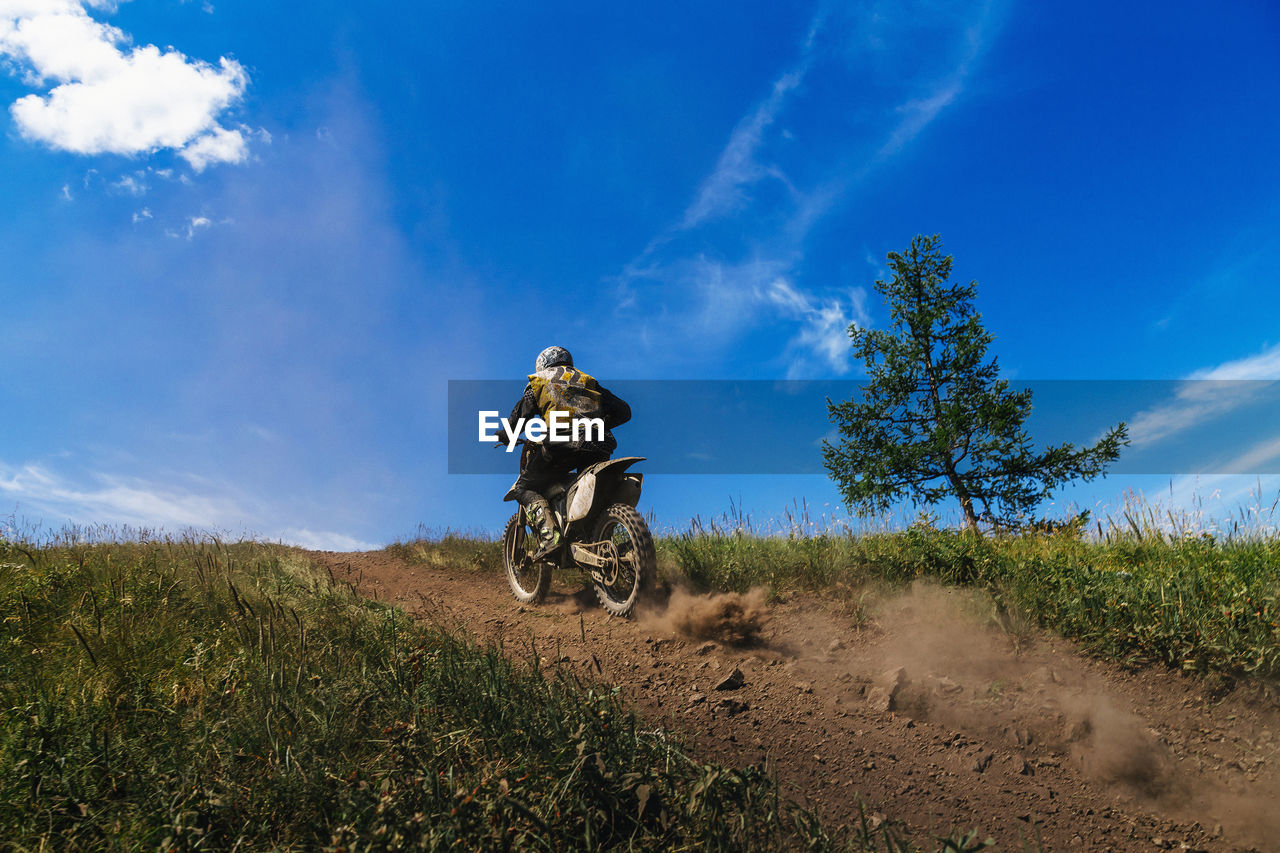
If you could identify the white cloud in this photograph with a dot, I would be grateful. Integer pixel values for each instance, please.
(217, 146)
(138, 503)
(824, 329)
(1209, 393)
(323, 540)
(726, 295)
(134, 185)
(1256, 458)
(917, 113)
(194, 224)
(109, 97)
(142, 215)
(722, 191)
(1264, 365)
(114, 500)
(722, 302)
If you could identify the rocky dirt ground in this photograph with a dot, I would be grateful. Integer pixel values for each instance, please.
(926, 707)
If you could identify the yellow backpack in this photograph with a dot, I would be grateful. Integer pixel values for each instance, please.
(568, 390)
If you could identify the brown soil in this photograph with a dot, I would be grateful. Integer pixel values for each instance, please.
(935, 712)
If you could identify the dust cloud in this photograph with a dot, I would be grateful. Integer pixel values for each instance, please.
(727, 617)
(952, 657)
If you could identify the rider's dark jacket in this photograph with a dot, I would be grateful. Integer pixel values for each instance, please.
(607, 406)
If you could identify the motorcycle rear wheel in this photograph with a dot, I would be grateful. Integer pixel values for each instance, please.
(636, 561)
(529, 581)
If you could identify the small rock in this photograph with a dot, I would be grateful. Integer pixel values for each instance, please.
(948, 687)
(804, 687)
(1026, 769)
(707, 648)
(875, 820)
(697, 699)
(835, 645)
(1076, 729)
(884, 694)
(731, 707)
(732, 681)
(879, 700)
(981, 763)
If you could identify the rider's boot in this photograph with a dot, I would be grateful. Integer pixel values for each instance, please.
(544, 524)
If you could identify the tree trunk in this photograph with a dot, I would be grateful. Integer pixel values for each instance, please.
(966, 502)
(949, 463)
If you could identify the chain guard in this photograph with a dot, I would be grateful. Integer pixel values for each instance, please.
(606, 552)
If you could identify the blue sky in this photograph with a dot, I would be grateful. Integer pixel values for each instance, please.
(247, 245)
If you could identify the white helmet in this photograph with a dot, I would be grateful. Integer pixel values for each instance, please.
(551, 357)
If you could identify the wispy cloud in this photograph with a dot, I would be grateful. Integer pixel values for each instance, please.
(110, 97)
(323, 540)
(134, 185)
(1264, 365)
(1209, 393)
(115, 500)
(824, 330)
(737, 279)
(194, 225)
(919, 112)
(1262, 456)
(724, 190)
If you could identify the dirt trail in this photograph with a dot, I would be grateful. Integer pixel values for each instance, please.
(931, 716)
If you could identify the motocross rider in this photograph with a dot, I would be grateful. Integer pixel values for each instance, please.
(556, 384)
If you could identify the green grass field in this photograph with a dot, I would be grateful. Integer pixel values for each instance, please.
(192, 695)
(1203, 599)
(163, 693)
(1198, 602)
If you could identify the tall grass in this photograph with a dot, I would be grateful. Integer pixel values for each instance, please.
(190, 694)
(439, 548)
(1147, 586)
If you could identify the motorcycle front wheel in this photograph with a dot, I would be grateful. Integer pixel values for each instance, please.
(633, 563)
(529, 580)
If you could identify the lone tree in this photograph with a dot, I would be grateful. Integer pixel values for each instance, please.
(935, 419)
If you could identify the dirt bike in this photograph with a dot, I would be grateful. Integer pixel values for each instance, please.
(603, 536)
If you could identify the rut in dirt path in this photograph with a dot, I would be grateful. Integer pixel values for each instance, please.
(928, 715)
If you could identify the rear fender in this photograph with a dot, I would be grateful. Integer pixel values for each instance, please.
(602, 482)
(627, 490)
